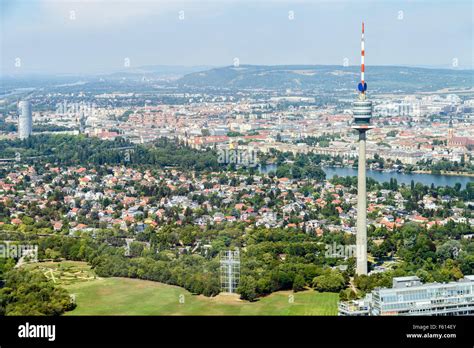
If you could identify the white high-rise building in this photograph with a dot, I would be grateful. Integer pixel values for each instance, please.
(25, 120)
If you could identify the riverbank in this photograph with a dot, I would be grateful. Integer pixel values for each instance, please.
(471, 175)
(424, 177)
(403, 178)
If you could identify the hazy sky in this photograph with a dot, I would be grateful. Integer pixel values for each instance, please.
(88, 36)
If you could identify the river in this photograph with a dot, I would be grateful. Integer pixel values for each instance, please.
(402, 178)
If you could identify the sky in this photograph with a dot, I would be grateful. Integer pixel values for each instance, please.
(100, 36)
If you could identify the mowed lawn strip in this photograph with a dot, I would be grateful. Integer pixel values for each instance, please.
(124, 296)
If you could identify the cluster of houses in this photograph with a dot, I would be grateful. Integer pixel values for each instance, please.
(85, 199)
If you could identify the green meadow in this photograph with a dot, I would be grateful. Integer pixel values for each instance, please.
(124, 296)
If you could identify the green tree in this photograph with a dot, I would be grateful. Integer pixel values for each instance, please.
(330, 281)
(247, 288)
(298, 283)
(30, 293)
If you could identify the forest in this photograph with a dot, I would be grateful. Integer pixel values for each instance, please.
(25, 292)
(82, 150)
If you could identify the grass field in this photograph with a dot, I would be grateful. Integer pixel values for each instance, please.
(124, 296)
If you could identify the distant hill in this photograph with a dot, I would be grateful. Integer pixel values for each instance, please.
(329, 77)
(335, 80)
(151, 72)
(158, 71)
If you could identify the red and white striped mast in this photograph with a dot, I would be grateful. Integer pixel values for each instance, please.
(362, 59)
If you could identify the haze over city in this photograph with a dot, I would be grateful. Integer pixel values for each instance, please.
(77, 37)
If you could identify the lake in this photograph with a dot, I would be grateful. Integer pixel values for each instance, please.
(402, 178)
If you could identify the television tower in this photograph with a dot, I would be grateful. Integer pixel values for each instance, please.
(362, 111)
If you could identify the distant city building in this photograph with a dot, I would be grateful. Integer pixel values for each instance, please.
(25, 120)
(220, 131)
(454, 141)
(408, 296)
(82, 123)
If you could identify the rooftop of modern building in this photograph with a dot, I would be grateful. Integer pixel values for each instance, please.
(414, 283)
(404, 279)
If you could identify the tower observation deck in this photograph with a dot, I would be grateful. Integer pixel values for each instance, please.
(362, 111)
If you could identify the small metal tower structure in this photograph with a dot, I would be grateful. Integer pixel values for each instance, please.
(230, 270)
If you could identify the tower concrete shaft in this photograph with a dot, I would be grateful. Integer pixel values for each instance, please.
(361, 236)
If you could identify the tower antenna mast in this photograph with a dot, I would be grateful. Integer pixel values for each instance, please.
(362, 60)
